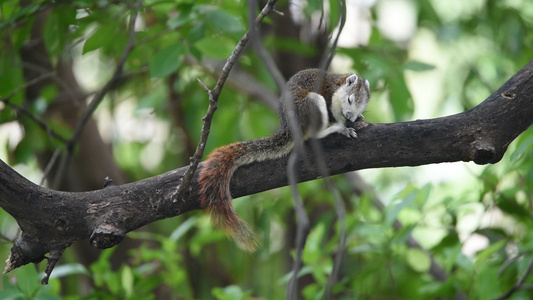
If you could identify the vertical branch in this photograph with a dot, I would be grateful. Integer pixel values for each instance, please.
(340, 210)
(213, 103)
(327, 59)
(302, 220)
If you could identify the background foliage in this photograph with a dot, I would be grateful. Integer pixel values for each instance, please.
(474, 222)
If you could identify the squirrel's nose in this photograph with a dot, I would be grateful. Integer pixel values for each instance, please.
(350, 116)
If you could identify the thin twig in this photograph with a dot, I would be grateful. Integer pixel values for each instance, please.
(340, 212)
(50, 164)
(519, 283)
(342, 21)
(213, 100)
(509, 261)
(25, 111)
(340, 209)
(302, 220)
(265, 57)
(241, 81)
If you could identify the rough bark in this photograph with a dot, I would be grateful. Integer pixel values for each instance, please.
(51, 220)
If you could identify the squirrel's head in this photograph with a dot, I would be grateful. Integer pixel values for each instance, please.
(351, 99)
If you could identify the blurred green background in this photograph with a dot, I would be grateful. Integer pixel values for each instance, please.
(424, 59)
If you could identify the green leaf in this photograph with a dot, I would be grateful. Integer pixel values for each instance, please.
(11, 294)
(103, 36)
(183, 17)
(28, 280)
(483, 255)
(314, 245)
(25, 11)
(220, 20)
(47, 297)
(10, 77)
(33, 141)
(400, 98)
(231, 292)
(101, 267)
(419, 66)
(127, 281)
(9, 290)
(182, 229)
(488, 283)
(409, 197)
(196, 33)
(334, 12)
(216, 47)
(68, 269)
(167, 61)
(418, 260)
(57, 28)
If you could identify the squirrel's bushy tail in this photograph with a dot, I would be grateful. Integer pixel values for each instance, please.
(215, 176)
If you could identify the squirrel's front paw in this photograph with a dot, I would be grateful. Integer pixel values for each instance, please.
(350, 132)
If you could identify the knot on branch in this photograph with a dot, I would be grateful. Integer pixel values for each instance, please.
(25, 250)
(484, 155)
(106, 235)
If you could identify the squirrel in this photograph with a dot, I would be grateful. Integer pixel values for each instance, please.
(342, 97)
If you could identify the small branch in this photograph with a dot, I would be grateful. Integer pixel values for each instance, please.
(257, 42)
(213, 102)
(519, 283)
(340, 209)
(342, 21)
(53, 258)
(302, 220)
(241, 81)
(28, 113)
(50, 164)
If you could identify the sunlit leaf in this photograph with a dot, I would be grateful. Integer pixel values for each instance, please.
(127, 281)
(419, 66)
(418, 260)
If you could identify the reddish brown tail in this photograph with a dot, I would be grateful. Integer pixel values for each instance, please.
(215, 176)
(214, 195)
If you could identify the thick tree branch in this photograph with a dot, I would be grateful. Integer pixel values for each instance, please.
(52, 220)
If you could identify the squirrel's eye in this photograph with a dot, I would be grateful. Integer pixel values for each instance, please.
(350, 99)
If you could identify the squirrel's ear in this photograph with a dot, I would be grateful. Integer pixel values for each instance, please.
(367, 84)
(351, 79)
